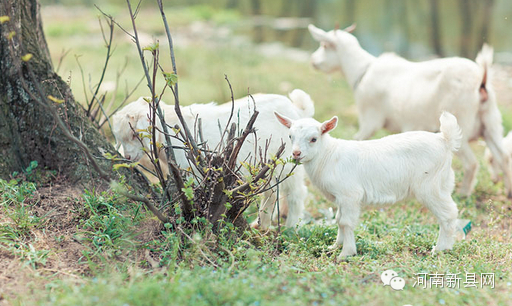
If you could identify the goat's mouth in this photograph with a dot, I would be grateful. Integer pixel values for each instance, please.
(298, 159)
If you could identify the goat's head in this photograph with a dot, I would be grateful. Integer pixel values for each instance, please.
(326, 58)
(129, 129)
(306, 135)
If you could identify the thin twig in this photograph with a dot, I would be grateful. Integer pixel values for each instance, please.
(113, 20)
(148, 204)
(107, 58)
(61, 58)
(248, 129)
(127, 96)
(259, 176)
(198, 247)
(196, 152)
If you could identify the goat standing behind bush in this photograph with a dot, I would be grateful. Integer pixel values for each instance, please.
(133, 119)
(399, 95)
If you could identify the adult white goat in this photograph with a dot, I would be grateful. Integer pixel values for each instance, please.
(354, 173)
(215, 116)
(393, 93)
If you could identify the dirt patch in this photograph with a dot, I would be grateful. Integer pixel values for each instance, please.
(55, 204)
(58, 239)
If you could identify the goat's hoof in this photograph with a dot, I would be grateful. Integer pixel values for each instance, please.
(438, 249)
(255, 224)
(259, 226)
(344, 256)
(333, 247)
(463, 192)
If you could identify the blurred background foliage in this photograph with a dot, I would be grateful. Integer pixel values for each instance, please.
(409, 27)
(264, 45)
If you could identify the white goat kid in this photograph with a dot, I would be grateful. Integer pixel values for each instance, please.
(354, 174)
(393, 93)
(298, 106)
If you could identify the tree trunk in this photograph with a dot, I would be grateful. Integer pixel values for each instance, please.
(486, 24)
(406, 29)
(350, 12)
(28, 132)
(465, 35)
(307, 9)
(435, 34)
(258, 29)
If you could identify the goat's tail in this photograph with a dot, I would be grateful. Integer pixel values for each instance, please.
(484, 59)
(303, 102)
(451, 131)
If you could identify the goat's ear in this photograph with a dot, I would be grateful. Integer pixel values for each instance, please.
(350, 28)
(283, 120)
(131, 118)
(319, 34)
(329, 125)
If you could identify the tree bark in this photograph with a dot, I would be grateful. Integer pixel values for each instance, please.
(486, 24)
(28, 132)
(465, 35)
(307, 9)
(350, 12)
(435, 34)
(258, 29)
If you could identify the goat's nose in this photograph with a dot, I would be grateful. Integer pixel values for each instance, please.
(296, 154)
(128, 156)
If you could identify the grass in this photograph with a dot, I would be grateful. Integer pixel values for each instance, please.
(122, 257)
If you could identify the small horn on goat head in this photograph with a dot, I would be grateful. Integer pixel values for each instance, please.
(350, 28)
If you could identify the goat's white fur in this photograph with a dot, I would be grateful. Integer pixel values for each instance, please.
(214, 118)
(393, 93)
(354, 174)
(494, 167)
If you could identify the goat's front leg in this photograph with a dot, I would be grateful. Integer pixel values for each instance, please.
(339, 237)
(350, 211)
(369, 123)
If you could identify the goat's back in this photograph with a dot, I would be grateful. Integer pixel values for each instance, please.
(385, 170)
(412, 95)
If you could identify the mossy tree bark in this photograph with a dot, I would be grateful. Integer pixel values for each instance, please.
(28, 131)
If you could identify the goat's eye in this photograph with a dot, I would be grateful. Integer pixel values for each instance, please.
(290, 136)
(328, 45)
(313, 139)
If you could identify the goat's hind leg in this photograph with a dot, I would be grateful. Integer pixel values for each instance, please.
(500, 159)
(296, 193)
(445, 210)
(265, 211)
